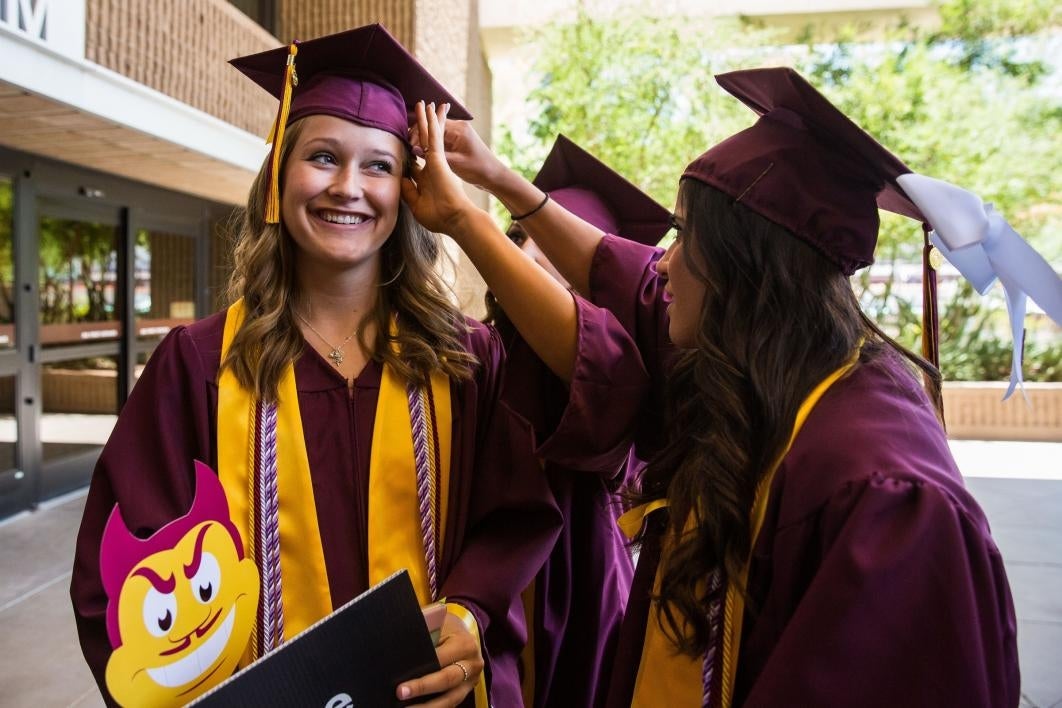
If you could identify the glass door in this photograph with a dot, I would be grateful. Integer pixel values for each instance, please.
(94, 272)
(80, 292)
(13, 487)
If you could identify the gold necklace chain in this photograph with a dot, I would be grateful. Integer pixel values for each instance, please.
(336, 353)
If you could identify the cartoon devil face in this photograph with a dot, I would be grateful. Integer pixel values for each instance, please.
(181, 604)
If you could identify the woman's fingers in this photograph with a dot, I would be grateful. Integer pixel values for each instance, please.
(446, 687)
(459, 644)
(410, 193)
(461, 662)
(438, 131)
(431, 122)
(435, 117)
(422, 126)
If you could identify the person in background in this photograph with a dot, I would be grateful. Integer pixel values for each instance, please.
(343, 359)
(575, 606)
(806, 538)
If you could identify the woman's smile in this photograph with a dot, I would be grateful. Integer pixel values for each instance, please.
(342, 218)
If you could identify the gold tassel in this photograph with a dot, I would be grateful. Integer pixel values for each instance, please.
(930, 318)
(931, 262)
(276, 137)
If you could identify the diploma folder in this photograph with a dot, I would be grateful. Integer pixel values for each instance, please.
(353, 658)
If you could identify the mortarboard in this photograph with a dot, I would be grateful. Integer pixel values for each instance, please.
(363, 75)
(806, 166)
(597, 194)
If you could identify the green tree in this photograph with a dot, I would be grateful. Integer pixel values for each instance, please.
(635, 90)
(972, 101)
(77, 262)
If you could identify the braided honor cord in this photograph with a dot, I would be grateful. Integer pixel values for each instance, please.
(424, 458)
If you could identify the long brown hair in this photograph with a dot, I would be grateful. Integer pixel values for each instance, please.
(410, 290)
(778, 318)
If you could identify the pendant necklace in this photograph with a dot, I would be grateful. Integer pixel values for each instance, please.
(336, 353)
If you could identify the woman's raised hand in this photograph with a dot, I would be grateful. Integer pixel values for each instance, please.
(469, 156)
(434, 193)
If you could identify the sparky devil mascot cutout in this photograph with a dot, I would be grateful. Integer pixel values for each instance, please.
(180, 604)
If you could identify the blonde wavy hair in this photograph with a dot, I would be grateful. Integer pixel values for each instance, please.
(429, 325)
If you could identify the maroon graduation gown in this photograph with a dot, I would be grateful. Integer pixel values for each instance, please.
(874, 580)
(503, 520)
(581, 591)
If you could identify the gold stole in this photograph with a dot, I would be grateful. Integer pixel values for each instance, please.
(305, 594)
(395, 537)
(667, 677)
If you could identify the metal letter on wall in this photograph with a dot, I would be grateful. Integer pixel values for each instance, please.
(58, 24)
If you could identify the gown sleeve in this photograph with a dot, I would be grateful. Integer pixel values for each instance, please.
(588, 425)
(147, 467)
(908, 606)
(624, 281)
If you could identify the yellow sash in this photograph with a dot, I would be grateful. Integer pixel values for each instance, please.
(667, 677)
(395, 537)
(304, 590)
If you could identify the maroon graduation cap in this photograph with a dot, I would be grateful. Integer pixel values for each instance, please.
(597, 194)
(363, 75)
(806, 166)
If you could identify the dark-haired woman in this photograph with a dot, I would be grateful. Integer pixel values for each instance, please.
(806, 538)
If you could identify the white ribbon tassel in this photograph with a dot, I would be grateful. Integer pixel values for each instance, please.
(982, 246)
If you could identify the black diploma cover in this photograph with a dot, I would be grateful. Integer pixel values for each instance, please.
(353, 658)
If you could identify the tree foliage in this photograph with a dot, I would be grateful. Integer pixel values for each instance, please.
(973, 101)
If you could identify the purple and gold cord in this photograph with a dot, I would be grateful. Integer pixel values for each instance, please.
(269, 511)
(424, 459)
(714, 613)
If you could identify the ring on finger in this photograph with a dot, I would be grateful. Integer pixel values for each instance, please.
(464, 670)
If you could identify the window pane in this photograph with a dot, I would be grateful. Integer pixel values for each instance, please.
(80, 399)
(8, 429)
(164, 296)
(78, 281)
(7, 266)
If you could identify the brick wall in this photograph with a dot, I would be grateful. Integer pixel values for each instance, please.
(172, 273)
(180, 48)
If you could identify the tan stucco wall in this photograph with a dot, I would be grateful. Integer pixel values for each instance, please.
(447, 42)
